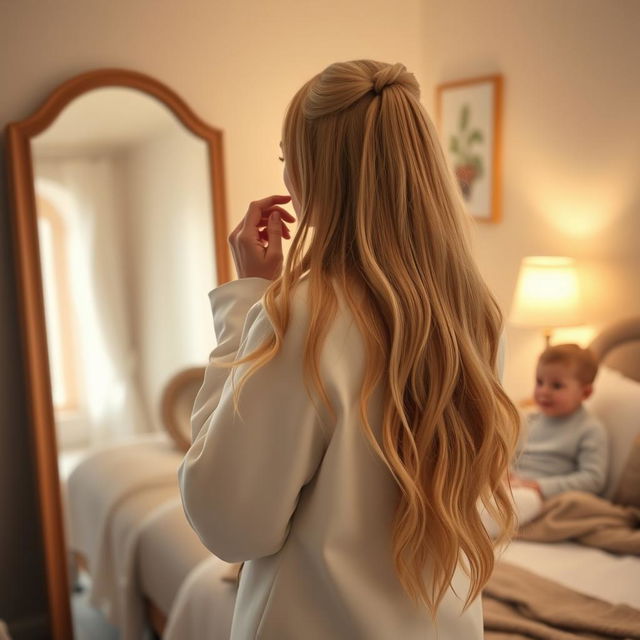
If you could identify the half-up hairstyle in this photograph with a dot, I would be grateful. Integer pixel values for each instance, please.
(381, 222)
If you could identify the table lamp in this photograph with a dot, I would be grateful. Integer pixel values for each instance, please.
(547, 295)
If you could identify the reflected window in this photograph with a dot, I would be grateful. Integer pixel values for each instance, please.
(53, 234)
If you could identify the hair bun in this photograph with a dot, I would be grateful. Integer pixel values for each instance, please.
(394, 74)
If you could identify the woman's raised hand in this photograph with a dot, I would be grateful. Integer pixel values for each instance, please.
(256, 243)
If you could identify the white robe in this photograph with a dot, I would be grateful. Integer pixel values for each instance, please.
(298, 495)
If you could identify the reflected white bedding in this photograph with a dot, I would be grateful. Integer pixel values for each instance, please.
(105, 477)
(118, 592)
(596, 573)
(168, 549)
(110, 496)
(126, 518)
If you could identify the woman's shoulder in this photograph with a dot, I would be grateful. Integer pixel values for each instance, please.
(311, 312)
(303, 302)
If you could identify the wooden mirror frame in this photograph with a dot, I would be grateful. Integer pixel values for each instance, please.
(31, 300)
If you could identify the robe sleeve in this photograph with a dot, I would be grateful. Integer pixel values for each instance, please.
(241, 478)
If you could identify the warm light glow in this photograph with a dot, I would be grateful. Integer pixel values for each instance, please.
(582, 336)
(577, 210)
(547, 293)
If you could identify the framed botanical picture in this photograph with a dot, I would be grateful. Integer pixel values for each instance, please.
(468, 114)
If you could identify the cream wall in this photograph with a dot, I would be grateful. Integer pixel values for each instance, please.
(571, 154)
(236, 63)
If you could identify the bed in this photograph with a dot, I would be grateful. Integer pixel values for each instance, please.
(569, 552)
(127, 527)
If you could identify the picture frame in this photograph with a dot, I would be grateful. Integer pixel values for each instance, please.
(469, 120)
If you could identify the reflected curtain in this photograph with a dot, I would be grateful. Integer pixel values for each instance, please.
(86, 192)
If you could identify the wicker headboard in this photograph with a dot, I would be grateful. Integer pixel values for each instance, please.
(618, 346)
(177, 402)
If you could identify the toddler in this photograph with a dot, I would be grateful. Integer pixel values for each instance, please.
(566, 448)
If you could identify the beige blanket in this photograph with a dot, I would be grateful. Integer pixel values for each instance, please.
(587, 519)
(519, 605)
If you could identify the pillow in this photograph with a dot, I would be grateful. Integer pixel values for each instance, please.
(628, 489)
(178, 398)
(616, 401)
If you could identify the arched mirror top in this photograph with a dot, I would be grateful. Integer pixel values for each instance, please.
(100, 78)
(21, 134)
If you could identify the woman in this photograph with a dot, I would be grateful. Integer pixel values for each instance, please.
(344, 455)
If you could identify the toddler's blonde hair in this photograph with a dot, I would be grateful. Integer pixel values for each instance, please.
(582, 361)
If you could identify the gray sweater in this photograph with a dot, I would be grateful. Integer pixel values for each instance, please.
(568, 453)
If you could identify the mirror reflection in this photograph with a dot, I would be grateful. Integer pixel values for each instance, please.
(126, 242)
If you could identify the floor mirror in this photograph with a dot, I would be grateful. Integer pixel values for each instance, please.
(119, 227)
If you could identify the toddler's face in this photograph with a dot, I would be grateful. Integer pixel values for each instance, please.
(558, 392)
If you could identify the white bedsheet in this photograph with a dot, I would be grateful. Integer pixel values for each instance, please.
(615, 579)
(168, 550)
(111, 495)
(121, 595)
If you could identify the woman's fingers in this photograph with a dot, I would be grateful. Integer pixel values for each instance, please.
(258, 208)
(284, 230)
(262, 223)
(274, 235)
(256, 243)
(267, 214)
(284, 214)
(264, 235)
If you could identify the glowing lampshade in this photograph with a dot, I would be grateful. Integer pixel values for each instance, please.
(547, 294)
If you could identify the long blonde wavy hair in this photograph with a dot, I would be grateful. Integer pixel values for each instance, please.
(381, 222)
